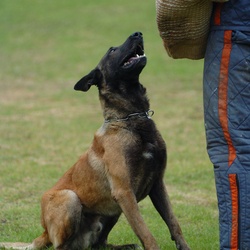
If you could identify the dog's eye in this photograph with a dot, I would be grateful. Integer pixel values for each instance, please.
(112, 49)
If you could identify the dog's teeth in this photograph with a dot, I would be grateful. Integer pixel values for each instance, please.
(136, 56)
(140, 55)
(126, 63)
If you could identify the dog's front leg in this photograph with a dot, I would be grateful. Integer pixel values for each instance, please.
(127, 201)
(160, 199)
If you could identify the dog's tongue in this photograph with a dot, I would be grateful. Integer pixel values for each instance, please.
(133, 58)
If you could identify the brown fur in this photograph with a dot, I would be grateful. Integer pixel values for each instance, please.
(124, 164)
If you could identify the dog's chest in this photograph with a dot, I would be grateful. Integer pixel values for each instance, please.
(144, 151)
(149, 152)
(138, 150)
(146, 163)
(147, 149)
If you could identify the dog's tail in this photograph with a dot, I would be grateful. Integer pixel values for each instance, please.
(40, 242)
(16, 246)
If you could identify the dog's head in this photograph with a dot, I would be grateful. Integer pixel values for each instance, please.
(123, 63)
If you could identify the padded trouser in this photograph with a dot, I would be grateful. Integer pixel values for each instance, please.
(227, 122)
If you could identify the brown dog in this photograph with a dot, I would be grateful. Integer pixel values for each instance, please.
(124, 164)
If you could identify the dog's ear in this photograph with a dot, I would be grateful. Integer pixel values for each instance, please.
(93, 78)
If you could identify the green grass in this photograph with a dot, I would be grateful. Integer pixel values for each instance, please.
(46, 46)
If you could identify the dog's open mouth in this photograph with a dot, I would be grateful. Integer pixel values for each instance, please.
(136, 55)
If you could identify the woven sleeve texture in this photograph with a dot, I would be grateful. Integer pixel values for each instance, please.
(183, 26)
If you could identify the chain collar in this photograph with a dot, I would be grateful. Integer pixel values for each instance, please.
(147, 114)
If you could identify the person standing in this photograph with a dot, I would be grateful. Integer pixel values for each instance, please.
(225, 46)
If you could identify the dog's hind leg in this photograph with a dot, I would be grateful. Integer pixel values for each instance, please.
(107, 223)
(160, 199)
(61, 219)
(41, 242)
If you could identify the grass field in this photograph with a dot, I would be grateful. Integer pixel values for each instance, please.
(45, 48)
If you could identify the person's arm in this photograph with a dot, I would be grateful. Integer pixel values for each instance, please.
(183, 36)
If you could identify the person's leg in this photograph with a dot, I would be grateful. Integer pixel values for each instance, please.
(217, 147)
(227, 123)
(239, 128)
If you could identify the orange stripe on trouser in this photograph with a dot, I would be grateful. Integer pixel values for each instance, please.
(235, 211)
(223, 88)
(223, 117)
(217, 13)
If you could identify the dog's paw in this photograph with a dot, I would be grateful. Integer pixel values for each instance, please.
(182, 247)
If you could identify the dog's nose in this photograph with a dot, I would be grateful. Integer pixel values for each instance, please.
(137, 34)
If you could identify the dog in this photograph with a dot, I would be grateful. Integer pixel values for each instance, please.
(124, 164)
